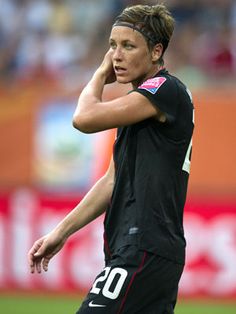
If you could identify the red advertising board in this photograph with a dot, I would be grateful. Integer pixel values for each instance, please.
(25, 215)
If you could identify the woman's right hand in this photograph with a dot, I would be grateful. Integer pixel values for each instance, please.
(107, 69)
(43, 250)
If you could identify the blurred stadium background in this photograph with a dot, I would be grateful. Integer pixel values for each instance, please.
(48, 51)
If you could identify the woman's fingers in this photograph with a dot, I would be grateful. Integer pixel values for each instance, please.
(42, 251)
(45, 262)
(38, 265)
(35, 256)
(31, 262)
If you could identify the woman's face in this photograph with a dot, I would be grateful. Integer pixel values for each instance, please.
(132, 60)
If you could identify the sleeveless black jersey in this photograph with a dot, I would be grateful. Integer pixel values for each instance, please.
(152, 162)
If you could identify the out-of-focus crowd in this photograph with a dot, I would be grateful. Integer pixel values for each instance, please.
(66, 40)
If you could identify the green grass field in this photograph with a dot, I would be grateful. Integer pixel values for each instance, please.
(43, 304)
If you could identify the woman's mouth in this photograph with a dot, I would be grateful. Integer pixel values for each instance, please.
(119, 70)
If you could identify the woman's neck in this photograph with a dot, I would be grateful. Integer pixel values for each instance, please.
(149, 75)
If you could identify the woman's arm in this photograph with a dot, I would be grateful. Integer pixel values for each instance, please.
(92, 206)
(93, 115)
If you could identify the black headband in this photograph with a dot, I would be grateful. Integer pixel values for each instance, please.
(152, 39)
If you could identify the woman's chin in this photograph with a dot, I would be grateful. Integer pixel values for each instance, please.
(122, 80)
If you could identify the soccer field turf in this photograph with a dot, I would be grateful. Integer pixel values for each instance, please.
(35, 304)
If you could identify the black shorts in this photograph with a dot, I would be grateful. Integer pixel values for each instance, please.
(134, 282)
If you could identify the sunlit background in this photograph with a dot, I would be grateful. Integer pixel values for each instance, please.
(48, 51)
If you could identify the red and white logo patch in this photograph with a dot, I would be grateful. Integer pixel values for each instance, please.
(152, 85)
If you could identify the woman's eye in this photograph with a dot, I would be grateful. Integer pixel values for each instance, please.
(129, 46)
(112, 45)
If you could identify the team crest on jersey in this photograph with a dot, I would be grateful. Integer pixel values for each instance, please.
(152, 85)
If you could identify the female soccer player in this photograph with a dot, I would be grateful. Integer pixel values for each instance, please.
(144, 189)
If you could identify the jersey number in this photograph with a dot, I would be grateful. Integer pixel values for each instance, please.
(187, 159)
(109, 276)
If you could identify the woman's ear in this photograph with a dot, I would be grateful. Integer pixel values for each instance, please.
(157, 52)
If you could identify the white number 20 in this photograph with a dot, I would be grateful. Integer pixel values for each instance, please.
(187, 162)
(109, 277)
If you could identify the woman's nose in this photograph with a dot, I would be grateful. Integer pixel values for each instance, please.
(117, 54)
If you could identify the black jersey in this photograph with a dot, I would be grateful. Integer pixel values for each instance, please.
(151, 174)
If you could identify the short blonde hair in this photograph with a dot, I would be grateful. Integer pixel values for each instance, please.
(155, 22)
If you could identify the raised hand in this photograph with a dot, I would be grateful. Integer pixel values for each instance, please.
(107, 67)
